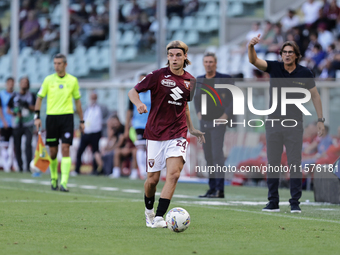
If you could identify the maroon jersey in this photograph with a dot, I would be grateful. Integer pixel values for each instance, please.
(169, 96)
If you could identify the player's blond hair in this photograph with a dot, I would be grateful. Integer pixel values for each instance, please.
(178, 45)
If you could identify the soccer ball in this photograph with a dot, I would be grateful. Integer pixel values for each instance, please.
(33, 168)
(178, 219)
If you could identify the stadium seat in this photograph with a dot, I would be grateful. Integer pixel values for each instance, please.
(212, 24)
(236, 62)
(104, 55)
(179, 35)
(211, 9)
(83, 69)
(56, 15)
(192, 38)
(120, 54)
(130, 53)
(201, 24)
(75, 7)
(175, 23)
(26, 51)
(128, 38)
(5, 66)
(93, 57)
(188, 23)
(235, 9)
(100, 9)
(71, 64)
(44, 64)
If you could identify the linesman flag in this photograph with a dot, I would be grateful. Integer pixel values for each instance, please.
(41, 158)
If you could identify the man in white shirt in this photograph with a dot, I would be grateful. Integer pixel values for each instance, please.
(94, 116)
(310, 10)
(325, 37)
(289, 21)
(255, 30)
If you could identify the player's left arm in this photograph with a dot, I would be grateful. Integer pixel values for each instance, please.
(192, 130)
(80, 114)
(318, 108)
(76, 95)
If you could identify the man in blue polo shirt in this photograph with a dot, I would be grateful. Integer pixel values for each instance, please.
(214, 136)
(5, 124)
(291, 75)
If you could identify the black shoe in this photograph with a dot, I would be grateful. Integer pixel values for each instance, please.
(295, 208)
(54, 185)
(217, 194)
(63, 189)
(209, 192)
(271, 207)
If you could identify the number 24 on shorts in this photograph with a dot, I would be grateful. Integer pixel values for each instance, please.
(182, 144)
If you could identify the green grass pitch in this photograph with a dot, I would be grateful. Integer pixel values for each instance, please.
(104, 216)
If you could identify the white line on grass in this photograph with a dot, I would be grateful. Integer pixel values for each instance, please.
(109, 188)
(88, 187)
(131, 191)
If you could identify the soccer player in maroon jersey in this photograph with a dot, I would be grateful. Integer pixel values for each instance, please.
(167, 126)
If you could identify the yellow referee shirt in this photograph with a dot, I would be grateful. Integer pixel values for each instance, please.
(59, 92)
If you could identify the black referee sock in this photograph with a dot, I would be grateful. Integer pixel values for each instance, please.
(149, 202)
(163, 206)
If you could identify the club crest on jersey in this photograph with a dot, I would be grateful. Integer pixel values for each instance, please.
(168, 83)
(151, 162)
(187, 84)
(61, 86)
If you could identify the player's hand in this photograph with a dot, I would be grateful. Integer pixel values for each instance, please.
(321, 129)
(199, 135)
(37, 123)
(5, 125)
(142, 108)
(255, 40)
(81, 127)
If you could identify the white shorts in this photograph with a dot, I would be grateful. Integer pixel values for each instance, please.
(158, 151)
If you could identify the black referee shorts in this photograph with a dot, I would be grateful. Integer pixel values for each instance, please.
(59, 127)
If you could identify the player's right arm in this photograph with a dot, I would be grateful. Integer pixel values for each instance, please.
(41, 94)
(134, 97)
(253, 59)
(37, 120)
(128, 118)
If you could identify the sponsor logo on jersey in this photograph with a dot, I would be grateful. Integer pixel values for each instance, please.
(168, 83)
(176, 93)
(151, 162)
(187, 84)
(61, 86)
(167, 76)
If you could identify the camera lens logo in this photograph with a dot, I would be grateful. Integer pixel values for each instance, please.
(204, 98)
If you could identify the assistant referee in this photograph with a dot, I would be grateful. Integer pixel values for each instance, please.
(59, 88)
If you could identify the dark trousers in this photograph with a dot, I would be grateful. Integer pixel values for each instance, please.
(88, 139)
(213, 152)
(291, 138)
(17, 135)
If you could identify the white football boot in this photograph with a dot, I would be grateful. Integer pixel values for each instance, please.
(159, 222)
(149, 217)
